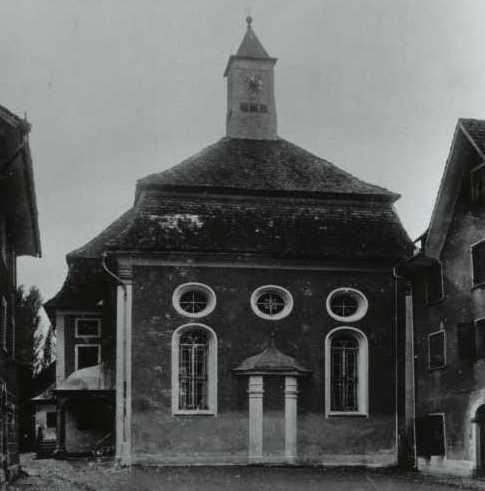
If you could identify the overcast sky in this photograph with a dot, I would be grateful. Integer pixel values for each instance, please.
(116, 90)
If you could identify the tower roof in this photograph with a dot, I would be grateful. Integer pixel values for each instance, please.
(262, 166)
(250, 48)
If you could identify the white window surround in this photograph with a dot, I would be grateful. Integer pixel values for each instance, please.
(76, 323)
(278, 290)
(363, 372)
(440, 331)
(362, 304)
(77, 346)
(3, 321)
(184, 288)
(211, 371)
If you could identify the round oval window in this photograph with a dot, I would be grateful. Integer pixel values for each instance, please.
(194, 300)
(271, 302)
(347, 304)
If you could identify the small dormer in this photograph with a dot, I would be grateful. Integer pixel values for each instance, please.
(251, 108)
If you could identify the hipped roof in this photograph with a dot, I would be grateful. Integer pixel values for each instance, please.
(271, 361)
(233, 164)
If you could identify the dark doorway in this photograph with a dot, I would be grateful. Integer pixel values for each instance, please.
(480, 421)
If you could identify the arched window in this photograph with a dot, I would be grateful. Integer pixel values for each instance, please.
(194, 370)
(346, 372)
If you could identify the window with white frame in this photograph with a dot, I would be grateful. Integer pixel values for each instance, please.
(87, 355)
(347, 304)
(346, 372)
(437, 349)
(3, 322)
(194, 300)
(194, 370)
(88, 327)
(271, 302)
(478, 262)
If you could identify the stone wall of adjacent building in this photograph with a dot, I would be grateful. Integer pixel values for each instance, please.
(456, 390)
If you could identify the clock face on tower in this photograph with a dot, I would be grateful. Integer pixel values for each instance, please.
(254, 83)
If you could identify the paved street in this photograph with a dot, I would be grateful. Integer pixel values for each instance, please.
(52, 475)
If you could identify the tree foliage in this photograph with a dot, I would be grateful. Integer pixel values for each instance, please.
(29, 339)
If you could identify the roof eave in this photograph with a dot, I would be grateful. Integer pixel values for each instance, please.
(269, 60)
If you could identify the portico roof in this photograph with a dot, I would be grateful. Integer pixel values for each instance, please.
(271, 361)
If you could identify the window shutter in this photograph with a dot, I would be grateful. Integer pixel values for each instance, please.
(480, 338)
(466, 341)
(478, 259)
(436, 347)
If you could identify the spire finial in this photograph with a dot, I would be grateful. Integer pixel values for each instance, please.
(249, 19)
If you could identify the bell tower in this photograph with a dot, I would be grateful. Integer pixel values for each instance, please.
(251, 108)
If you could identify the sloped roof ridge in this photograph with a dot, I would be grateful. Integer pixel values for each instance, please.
(474, 129)
(214, 164)
(13, 119)
(99, 242)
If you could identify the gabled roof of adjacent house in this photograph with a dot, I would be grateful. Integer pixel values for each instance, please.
(262, 166)
(476, 130)
(17, 187)
(468, 144)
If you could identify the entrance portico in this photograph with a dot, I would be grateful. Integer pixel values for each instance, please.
(272, 362)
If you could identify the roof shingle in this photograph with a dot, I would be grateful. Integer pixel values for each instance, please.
(267, 165)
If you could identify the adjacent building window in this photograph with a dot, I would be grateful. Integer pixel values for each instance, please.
(347, 304)
(478, 260)
(271, 302)
(3, 323)
(433, 283)
(480, 338)
(477, 176)
(346, 372)
(194, 300)
(466, 341)
(194, 370)
(88, 328)
(430, 435)
(437, 349)
(87, 355)
(3, 239)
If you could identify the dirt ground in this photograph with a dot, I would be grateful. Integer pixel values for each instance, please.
(82, 475)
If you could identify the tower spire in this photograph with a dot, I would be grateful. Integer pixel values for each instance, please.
(251, 108)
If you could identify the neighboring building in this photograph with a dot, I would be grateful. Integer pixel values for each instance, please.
(19, 236)
(44, 405)
(449, 307)
(250, 280)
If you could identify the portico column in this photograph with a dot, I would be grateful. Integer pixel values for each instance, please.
(291, 400)
(61, 427)
(255, 394)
